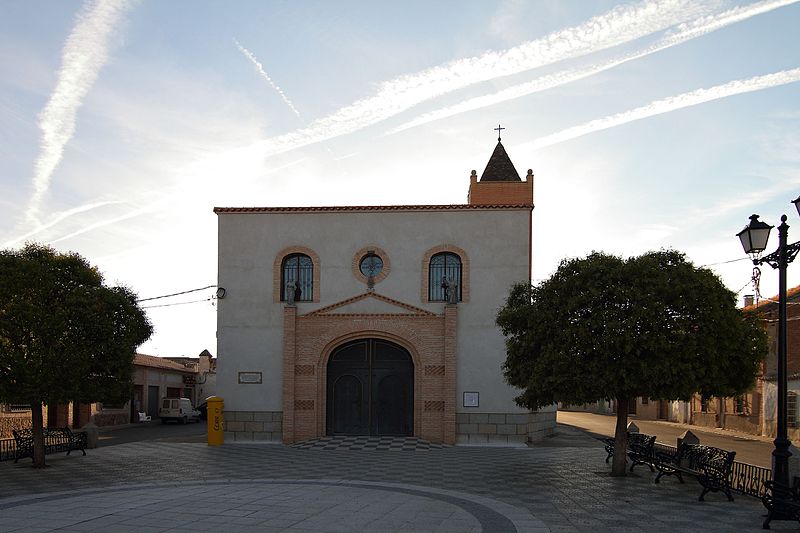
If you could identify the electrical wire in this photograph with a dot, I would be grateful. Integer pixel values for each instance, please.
(725, 262)
(743, 286)
(175, 293)
(177, 303)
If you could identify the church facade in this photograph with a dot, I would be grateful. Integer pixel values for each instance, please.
(375, 320)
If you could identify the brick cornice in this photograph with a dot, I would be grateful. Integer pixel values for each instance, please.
(415, 311)
(337, 209)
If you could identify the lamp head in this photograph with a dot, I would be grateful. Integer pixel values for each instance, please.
(754, 236)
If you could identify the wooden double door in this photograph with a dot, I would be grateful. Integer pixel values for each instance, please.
(370, 389)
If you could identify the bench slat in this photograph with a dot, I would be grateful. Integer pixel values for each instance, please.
(711, 466)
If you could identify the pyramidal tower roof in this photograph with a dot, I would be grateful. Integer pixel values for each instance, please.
(500, 167)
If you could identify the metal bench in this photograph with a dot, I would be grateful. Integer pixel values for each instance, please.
(55, 440)
(711, 466)
(782, 502)
(640, 449)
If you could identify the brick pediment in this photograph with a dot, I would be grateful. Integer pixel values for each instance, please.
(370, 303)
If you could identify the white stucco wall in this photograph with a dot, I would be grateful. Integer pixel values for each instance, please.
(250, 324)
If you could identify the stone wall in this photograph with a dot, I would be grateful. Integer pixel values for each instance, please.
(111, 419)
(503, 428)
(743, 423)
(709, 420)
(249, 426)
(13, 421)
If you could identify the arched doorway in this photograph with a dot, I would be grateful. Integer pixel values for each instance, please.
(370, 389)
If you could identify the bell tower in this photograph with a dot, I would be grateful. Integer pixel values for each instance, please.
(500, 183)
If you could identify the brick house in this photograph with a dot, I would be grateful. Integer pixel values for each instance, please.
(375, 320)
(756, 411)
(768, 386)
(155, 378)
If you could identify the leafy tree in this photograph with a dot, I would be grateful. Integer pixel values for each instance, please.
(64, 335)
(604, 327)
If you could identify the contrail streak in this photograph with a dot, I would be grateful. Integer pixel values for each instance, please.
(620, 25)
(84, 54)
(666, 105)
(165, 196)
(260, 68)
(685, 32)
(135, 213)
(59, 217)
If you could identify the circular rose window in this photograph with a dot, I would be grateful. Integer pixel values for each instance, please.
(371, 265)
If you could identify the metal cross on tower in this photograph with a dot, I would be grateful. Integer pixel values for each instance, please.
(498, 129)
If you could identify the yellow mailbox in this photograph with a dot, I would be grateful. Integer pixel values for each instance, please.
(216, 435)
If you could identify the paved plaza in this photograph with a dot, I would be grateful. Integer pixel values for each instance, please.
(561, 485)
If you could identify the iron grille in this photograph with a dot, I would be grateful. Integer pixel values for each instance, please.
(443, 266)
(298, 268)
(8, 449)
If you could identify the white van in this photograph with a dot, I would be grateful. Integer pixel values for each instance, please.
(178, 409)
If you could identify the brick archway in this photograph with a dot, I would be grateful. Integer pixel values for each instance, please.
(309, 341)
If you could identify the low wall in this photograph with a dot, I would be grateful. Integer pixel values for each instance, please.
(111, 419)
(11, 421)
(503, 428)
(743, 424)
(251, 426)
(708, 420)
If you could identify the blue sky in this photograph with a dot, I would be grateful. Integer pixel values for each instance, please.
(648, 125)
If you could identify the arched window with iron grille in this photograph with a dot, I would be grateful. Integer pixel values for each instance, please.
(443, 266)
(298, 268)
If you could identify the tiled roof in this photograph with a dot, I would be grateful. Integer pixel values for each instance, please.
(334, 209)
(768, 303)
(158, 362)
(500, 167)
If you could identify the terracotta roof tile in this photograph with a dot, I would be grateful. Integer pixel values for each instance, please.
(334, 209)
(158, 362)
(767, 303)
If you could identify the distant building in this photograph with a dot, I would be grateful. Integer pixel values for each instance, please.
(768, 383)
(754, 412)
(375, 320)
(153, 378)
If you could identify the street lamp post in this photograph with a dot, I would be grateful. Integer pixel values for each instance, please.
(754, 239)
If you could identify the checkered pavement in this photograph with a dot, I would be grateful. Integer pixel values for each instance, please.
(560, 487)
(406, 444)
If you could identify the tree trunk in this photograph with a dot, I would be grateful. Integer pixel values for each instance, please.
(38, 434)
(620, 438)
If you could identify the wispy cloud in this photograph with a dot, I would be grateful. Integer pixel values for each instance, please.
(84, 54)
(684, 32)
(190, 187)
(260, 68)
(58, 218)
(667, 105)
(130, 214)
(622, 24)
